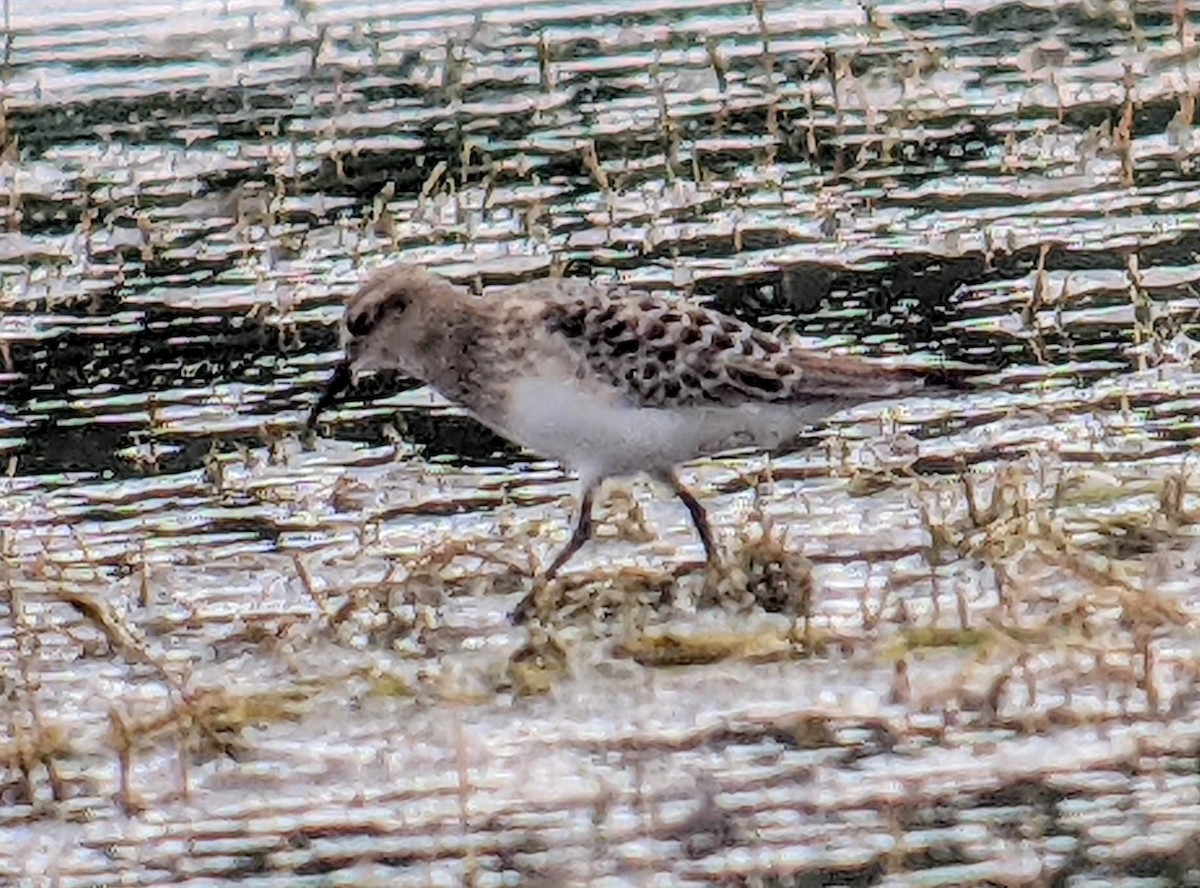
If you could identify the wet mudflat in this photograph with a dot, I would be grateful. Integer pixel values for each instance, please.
(953, 642)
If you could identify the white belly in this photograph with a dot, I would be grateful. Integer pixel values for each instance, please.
(600, 435)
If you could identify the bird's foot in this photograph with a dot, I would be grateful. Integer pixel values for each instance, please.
(535, 603)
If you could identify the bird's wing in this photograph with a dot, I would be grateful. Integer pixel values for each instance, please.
(661, 351)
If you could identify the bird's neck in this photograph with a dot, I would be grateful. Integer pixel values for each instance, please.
(456, 352)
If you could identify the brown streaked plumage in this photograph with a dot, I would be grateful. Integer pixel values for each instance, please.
(665, 352)
(604, 379)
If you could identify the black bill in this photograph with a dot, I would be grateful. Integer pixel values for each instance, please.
(338, 383)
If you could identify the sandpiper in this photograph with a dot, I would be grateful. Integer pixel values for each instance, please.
(606, 380)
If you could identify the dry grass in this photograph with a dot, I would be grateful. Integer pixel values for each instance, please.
(941, 662)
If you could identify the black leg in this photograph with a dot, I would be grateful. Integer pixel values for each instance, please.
(581, 534)
(699, 516)
(529, 605)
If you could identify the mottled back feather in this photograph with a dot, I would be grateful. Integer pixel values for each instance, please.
(664, 351)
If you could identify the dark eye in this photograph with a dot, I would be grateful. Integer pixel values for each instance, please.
(361, 323)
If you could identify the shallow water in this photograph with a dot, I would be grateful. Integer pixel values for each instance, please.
(230, 653)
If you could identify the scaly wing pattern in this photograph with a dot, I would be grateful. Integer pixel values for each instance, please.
(663, 351)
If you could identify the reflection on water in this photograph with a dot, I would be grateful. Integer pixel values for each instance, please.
(293, 655)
